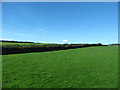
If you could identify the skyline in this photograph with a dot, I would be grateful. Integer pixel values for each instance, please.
(88, 22)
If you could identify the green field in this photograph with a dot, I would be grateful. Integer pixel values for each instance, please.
(12, 43)
(92, 67)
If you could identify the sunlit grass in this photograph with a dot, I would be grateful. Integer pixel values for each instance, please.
(93, 67)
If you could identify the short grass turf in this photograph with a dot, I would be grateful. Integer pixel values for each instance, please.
(25, 44)
(92, 67)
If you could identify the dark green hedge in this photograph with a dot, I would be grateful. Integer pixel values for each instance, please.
(13, 49)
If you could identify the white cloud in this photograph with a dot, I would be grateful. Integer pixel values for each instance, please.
(6, 39)
(21, 34)
(64, 41)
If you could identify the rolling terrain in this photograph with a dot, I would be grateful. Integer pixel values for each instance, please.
(91, 67)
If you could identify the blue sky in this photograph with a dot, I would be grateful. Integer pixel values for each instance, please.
(53, 22)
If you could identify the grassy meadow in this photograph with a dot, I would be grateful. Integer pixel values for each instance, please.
(59, 44)
(90, 67)
(12, 43)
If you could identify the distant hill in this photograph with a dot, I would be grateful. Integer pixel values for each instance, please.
(114, 44)
(15, 41)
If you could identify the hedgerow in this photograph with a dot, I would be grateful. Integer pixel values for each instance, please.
(13, 49)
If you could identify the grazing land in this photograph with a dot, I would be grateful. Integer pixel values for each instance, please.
(12, 43)
(91, 67)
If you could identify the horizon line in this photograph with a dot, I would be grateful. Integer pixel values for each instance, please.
(57, 42)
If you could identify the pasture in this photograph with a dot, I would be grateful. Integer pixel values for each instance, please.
(12, 43)
(91, 67)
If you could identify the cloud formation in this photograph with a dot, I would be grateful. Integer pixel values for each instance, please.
(21, 34)
(64, 41)
(6, 39)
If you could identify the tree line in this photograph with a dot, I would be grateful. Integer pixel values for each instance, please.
(14, 49)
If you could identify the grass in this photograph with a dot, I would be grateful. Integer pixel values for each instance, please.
(92, 67)
(12, 43)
